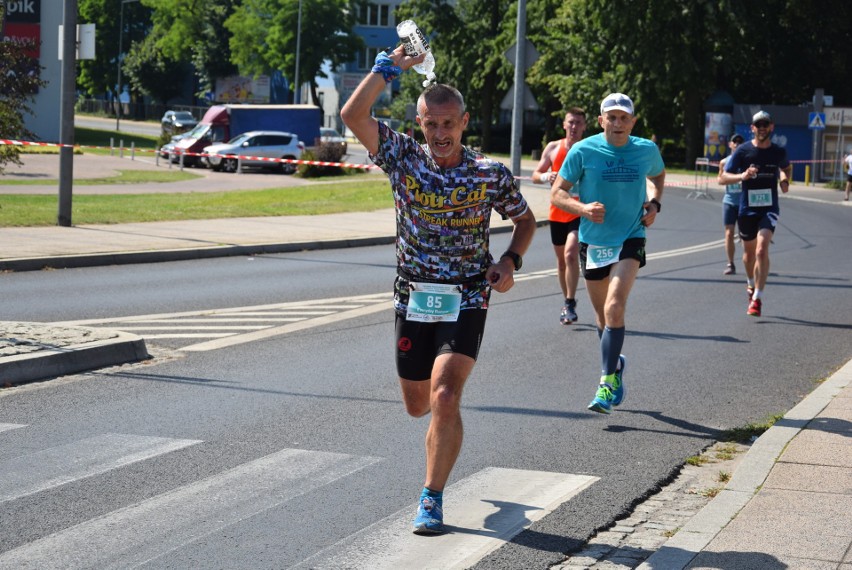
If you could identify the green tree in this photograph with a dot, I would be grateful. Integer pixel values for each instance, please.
(468, 40)
(19, 81)
(192, 31)
(264, 34)
(96, 76)
(151, 72)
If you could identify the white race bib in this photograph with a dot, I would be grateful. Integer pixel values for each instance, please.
(759, 197)
(433, 302)
(601, 255)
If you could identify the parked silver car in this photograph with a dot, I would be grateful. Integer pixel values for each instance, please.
(258, 144)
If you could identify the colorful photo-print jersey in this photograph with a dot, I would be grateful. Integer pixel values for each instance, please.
(443, 215)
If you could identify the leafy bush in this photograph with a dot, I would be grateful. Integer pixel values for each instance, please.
(324, 153)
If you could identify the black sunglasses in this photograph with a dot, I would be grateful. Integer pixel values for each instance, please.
(761, 124)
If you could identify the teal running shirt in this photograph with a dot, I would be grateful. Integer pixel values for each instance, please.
(616, 177)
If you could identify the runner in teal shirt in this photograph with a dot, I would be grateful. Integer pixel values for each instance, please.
(608, 175)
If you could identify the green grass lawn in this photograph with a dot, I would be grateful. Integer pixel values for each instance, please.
(18, 210)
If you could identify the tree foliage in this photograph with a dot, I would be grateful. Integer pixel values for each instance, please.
(153, 73)
(264, 35)
(19, 81)
(468, 40)
(96, 76)
(194, 32)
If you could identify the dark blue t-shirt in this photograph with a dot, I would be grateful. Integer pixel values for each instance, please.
(760, 195)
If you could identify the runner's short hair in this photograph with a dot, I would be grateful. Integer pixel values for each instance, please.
(439, 94)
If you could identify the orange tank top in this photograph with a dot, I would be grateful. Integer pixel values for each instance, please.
(557, 215)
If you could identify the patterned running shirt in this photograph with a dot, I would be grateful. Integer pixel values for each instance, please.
(443, 215)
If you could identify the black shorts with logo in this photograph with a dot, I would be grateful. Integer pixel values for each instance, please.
(750, 226)
(418, 344)
(633, 248)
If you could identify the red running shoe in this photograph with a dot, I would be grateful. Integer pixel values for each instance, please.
(754, 308)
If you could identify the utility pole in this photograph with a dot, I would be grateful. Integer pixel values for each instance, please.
(68, 83)
(297, 86)
(520, 71)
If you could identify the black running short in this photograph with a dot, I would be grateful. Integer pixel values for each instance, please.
(750, 226)
(633, 248)
(559, 230)
(418, 344)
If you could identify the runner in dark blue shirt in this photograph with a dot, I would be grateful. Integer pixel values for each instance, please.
(762, 166)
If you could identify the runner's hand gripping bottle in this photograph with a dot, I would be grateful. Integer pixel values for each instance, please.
(415, 43)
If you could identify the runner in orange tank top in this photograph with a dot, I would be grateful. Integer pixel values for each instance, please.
(563, 226)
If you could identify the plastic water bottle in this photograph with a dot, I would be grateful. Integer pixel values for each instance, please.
(415, 43)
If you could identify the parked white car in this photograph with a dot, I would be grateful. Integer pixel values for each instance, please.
(263, 144)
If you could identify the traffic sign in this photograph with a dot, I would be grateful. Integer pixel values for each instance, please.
(816, 121)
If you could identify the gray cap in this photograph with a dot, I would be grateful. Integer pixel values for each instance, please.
(761, 116)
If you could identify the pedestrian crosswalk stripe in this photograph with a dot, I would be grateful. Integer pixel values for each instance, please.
(36, 472)
(482, 512)
(7, 427)
(136, 535)
(289, 328)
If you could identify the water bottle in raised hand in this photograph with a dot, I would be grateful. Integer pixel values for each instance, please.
(415, 43)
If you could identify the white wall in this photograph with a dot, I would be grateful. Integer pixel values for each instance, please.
(44, 121)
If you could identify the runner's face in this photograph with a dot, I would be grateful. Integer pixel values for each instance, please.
(443, 126)
(575, 126)
(617, 126)
(762, 130)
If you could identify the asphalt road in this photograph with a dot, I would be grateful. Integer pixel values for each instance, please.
(290, 448)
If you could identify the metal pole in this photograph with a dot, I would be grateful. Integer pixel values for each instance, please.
(298, 87)
(840, 149)
(117, 101)
(68, 83)
(520, 70)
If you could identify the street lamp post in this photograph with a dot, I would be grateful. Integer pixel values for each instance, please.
(118, 59)
(298, 87)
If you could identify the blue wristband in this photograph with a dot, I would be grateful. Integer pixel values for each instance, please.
(386, 67)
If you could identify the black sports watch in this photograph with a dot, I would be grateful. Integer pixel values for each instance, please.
(517, 260)
(657, 204)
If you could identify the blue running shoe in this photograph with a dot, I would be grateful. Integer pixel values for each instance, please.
(603, 400)
(618, 389)
(430, 517)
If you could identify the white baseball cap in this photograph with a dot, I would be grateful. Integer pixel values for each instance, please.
(617, 102)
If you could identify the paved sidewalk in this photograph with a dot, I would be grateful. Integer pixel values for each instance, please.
(788, 505)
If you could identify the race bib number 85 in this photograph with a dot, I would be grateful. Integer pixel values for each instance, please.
(433, 302)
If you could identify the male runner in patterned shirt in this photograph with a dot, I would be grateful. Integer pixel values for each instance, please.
(443, 193)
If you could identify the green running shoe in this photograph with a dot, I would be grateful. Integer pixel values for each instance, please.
(603, 400)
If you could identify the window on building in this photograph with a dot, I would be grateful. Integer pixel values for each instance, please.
(367, 57)
(373, 14)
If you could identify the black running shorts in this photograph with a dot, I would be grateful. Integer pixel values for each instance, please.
(418, 344)
(633, 248)
(559, 230)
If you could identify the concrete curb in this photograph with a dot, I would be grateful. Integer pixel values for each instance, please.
(184, 254)
(682, 548)
(54, 361)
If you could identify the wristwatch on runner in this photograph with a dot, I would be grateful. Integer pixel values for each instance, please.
(517, 260)
(657, 204)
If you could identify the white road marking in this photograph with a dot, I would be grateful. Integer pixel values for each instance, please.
(35, 472)
(293, 327)
(7, 427)
(300, 315)
(137, 534)
(483, 511)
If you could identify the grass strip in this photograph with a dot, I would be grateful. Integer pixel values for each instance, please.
(18, 210)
